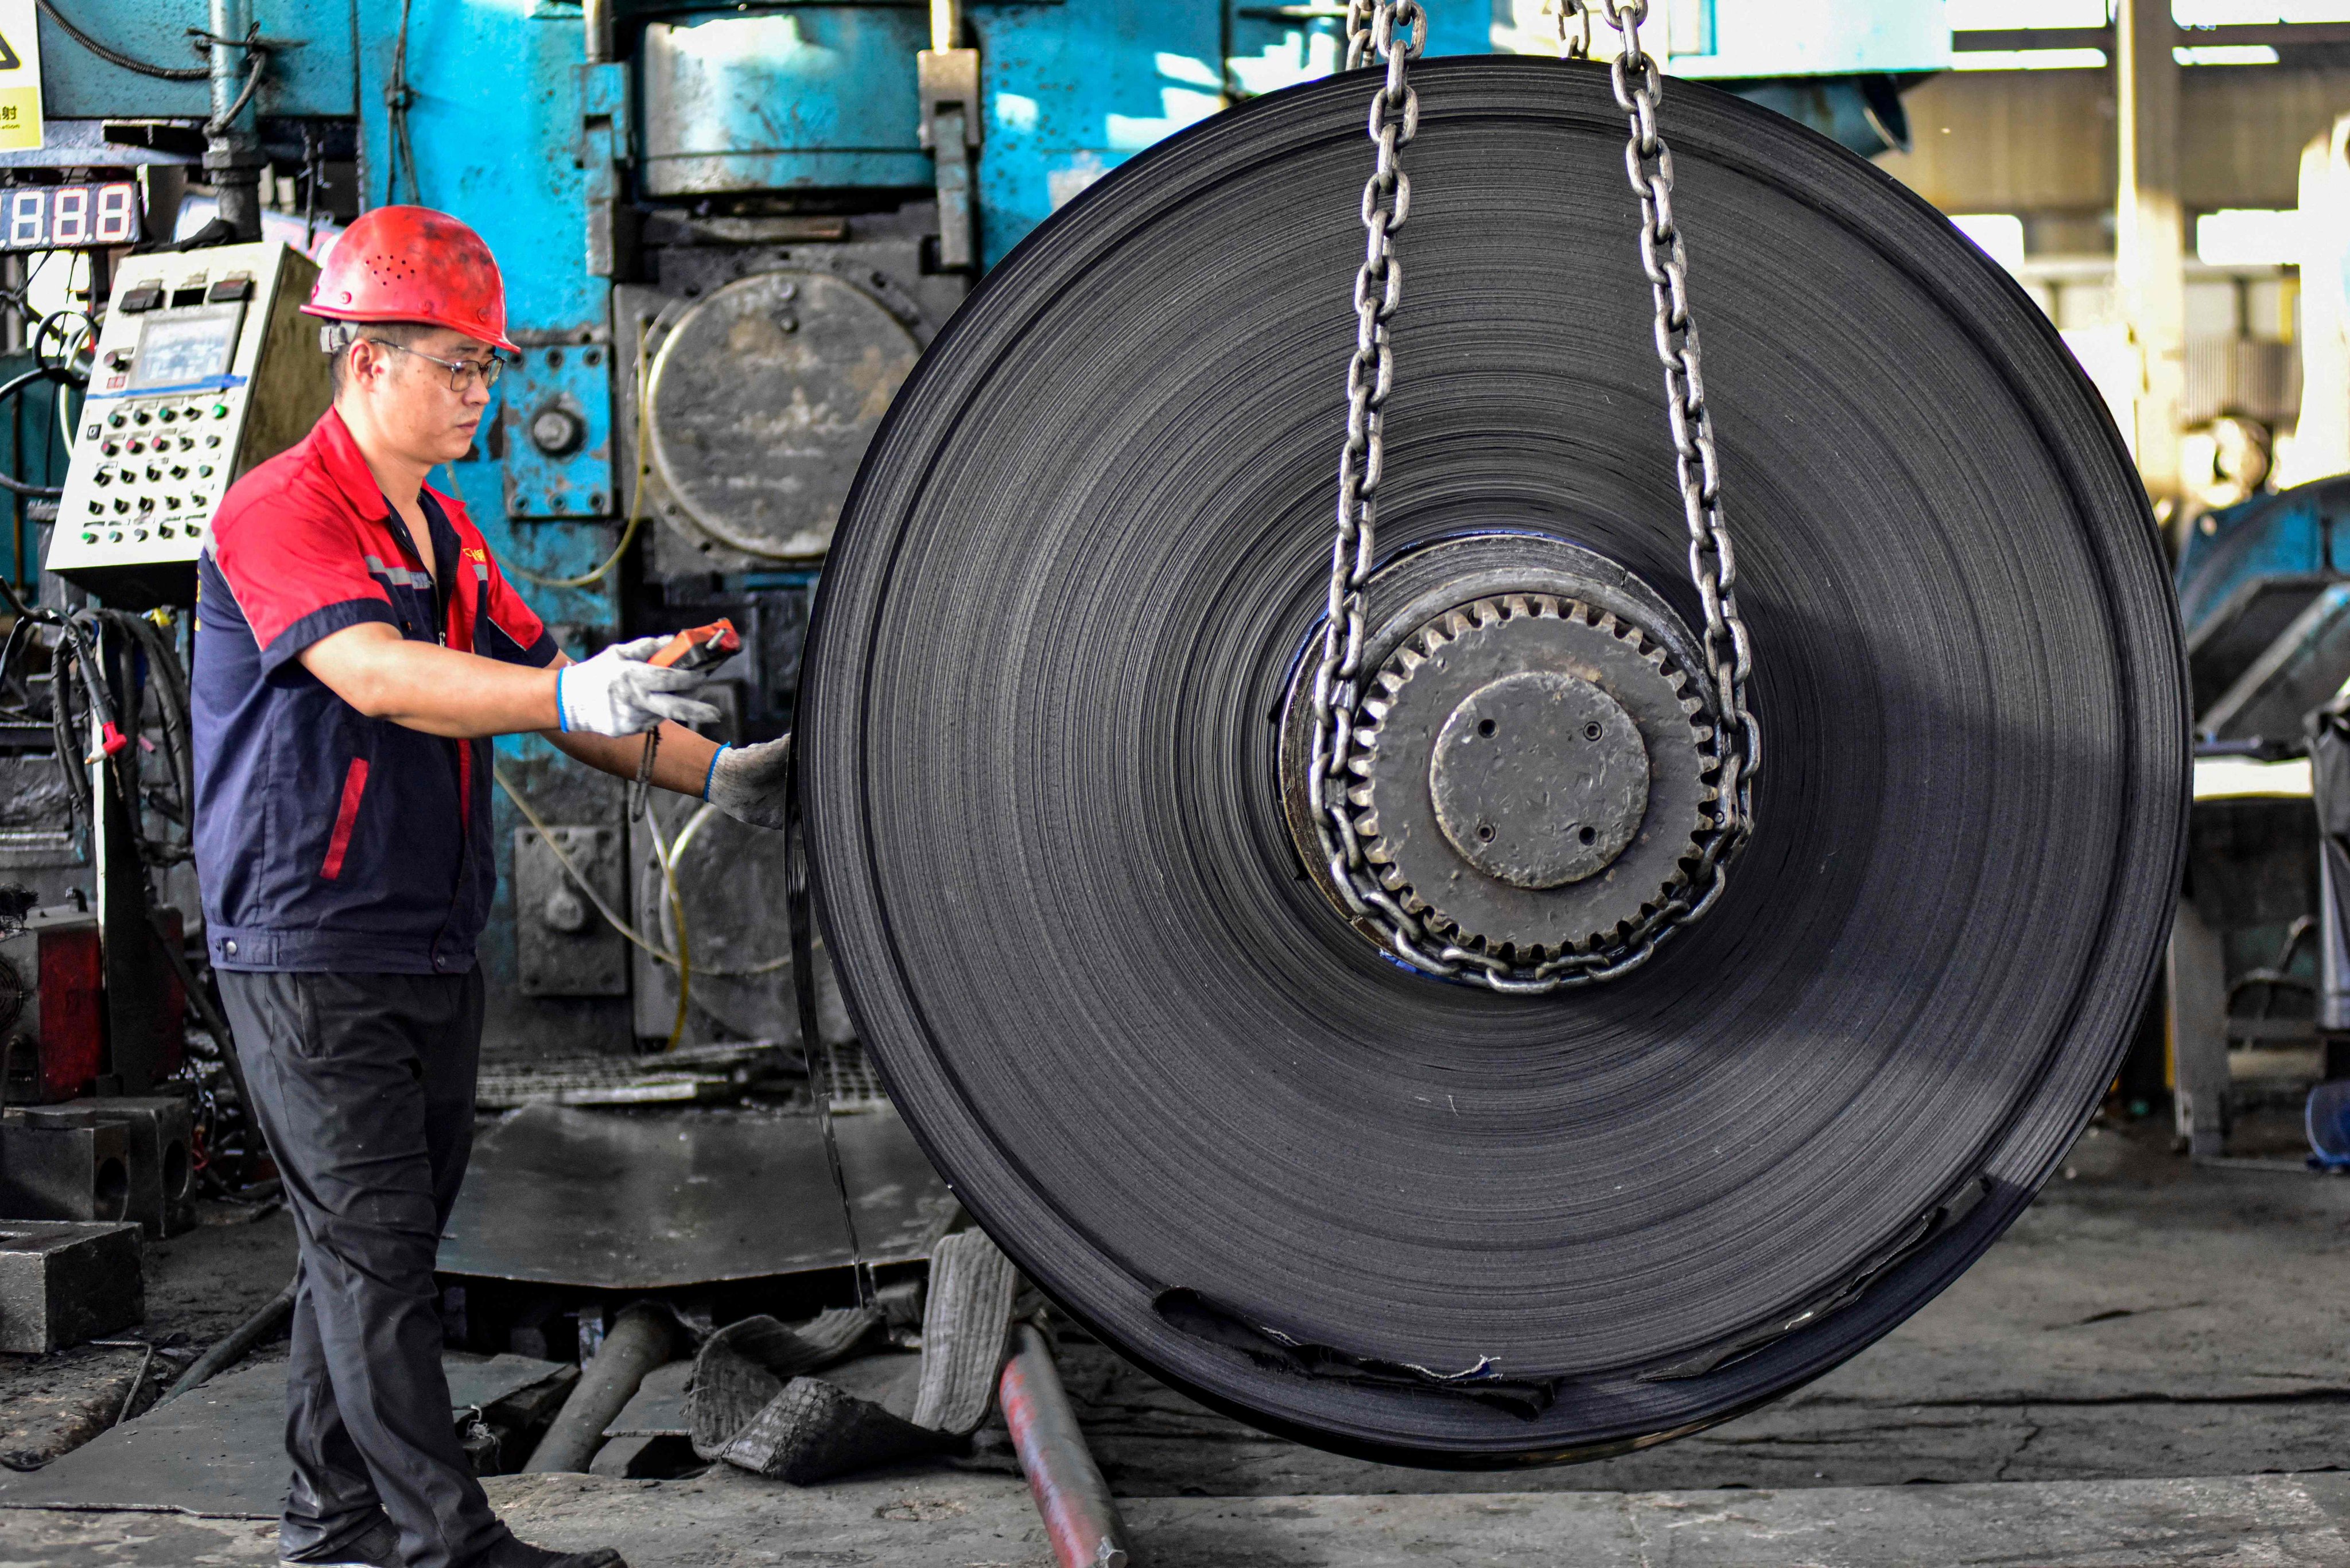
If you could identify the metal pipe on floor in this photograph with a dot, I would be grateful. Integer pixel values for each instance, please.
(637, 1343)
(232, 1349)
(1080, 1518)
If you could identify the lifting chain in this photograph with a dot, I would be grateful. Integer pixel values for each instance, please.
(1395, 32)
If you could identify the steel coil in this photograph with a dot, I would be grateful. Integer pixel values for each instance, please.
(1350, 1203)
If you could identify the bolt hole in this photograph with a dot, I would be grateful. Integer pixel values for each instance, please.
(1589, 836)
(1485, 726)
(1591, 732)
(1484, 832)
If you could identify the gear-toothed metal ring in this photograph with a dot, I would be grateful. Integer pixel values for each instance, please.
(1534, 780)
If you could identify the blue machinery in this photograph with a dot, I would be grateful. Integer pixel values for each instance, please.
(727, 234)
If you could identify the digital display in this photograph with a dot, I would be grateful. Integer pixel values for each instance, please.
(176, 346)
(71, 217)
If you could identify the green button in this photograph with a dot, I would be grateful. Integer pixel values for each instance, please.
(89, 538)
(220, 410)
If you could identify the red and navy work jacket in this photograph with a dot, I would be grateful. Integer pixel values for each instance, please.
(327, 840)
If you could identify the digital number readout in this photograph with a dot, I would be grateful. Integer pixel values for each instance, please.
(71, 217)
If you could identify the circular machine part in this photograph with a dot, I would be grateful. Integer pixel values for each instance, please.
(761, 399)
(1525, 745)
(1348, 1202)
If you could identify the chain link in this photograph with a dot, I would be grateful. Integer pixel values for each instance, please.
(1395, 31)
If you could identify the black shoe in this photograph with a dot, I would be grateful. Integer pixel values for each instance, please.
(517, 1553)
(377, 1546)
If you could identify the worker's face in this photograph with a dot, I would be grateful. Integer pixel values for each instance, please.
(410, 397)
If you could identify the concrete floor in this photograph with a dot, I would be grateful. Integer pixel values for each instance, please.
(2150, 1368)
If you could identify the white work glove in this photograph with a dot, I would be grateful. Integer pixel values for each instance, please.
(747, 782)
(618, 693)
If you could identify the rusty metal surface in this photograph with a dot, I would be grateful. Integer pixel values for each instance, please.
(563, 947)
(762, 396)
(646, 1200)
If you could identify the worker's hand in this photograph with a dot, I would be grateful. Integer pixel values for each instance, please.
(618, 693)
(747, 782)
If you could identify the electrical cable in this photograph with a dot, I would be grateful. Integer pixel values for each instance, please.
(1044, 806)
(115, 57)
(397, 99)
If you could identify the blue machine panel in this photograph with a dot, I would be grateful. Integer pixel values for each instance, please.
(1075, 90)
(311, 71)
(814, 97)
(557, 423)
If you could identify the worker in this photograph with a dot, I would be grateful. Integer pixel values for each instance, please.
(357, 647)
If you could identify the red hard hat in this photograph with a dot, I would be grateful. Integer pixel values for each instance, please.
(413, 264)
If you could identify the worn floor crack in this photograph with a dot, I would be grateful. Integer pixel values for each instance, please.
(2031, 1430)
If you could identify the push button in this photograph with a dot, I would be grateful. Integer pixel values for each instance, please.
(167, 415)
(139, 417)
(115, 419)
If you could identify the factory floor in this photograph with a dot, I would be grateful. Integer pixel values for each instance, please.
(2149, 1368)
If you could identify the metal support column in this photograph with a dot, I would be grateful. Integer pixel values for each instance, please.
(2198, 1032)
(951, 116)
(232, 136)
(2149, 237)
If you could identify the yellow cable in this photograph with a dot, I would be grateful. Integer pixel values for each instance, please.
(635, 498)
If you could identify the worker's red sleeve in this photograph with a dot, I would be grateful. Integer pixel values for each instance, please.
(297, 578)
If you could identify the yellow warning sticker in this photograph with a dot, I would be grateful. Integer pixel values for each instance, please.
(20, 78)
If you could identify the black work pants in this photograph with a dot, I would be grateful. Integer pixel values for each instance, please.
(363, 1083)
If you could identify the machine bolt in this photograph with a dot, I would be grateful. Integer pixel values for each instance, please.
(565, 910)
(557, 431)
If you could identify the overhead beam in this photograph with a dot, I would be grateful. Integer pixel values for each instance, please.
(2278, 34)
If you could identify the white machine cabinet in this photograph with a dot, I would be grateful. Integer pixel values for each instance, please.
(204, 368)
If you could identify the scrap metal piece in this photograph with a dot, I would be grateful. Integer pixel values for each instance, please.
(64, 1163)
(965, 1325)
(656, 1198)
(63, 1282)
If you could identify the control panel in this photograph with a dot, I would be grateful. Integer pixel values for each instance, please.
(204, 367)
